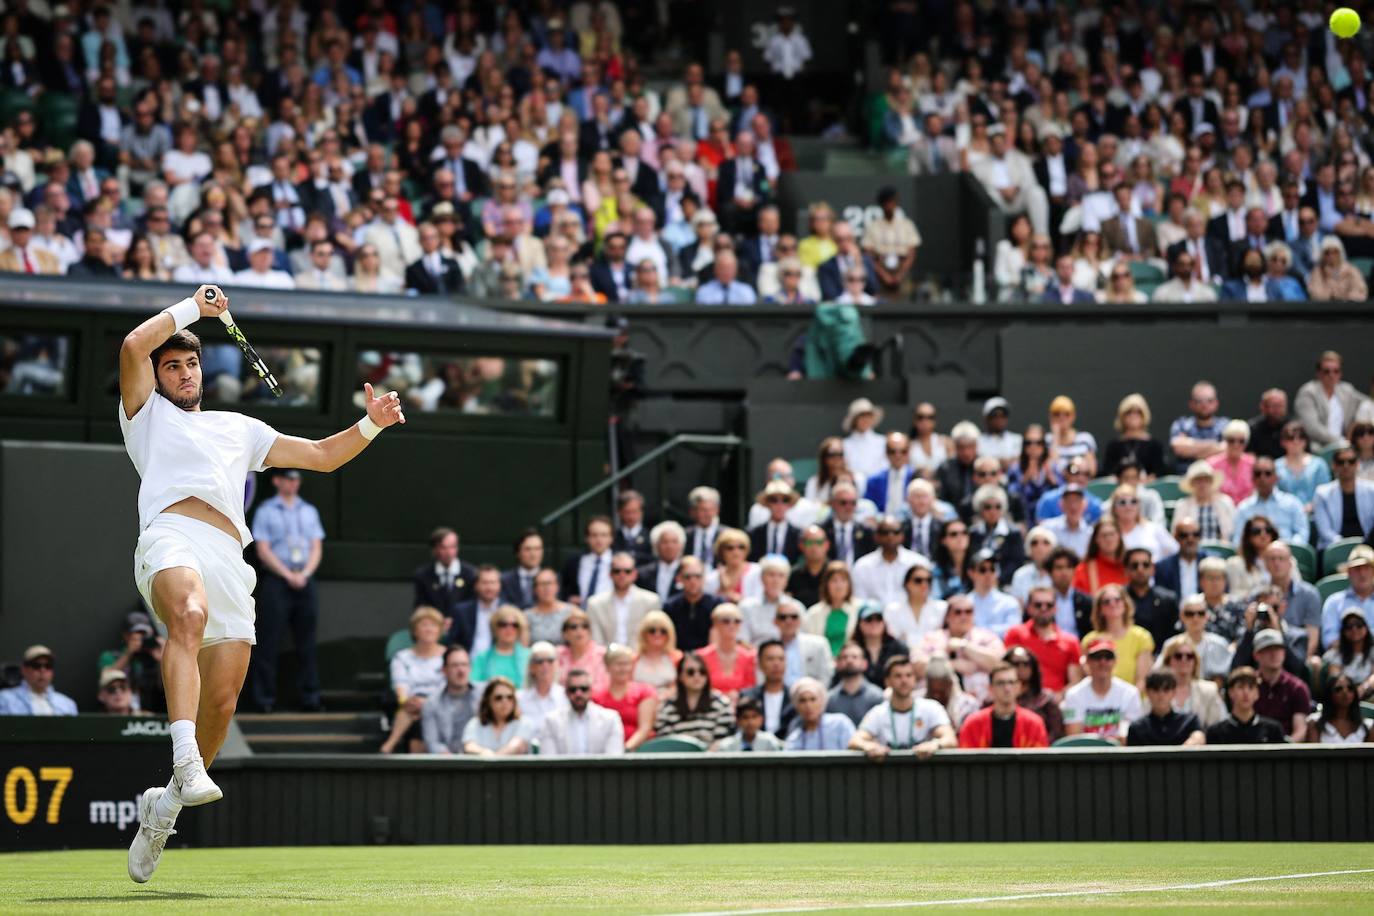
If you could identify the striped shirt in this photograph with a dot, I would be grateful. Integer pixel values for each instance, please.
(715, 722)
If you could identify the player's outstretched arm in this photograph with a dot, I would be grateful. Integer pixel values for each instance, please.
(136, 379)
(334, 452)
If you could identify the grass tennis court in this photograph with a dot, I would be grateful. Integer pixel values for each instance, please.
(682, 879)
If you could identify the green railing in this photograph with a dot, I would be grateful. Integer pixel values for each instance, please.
(733, 482)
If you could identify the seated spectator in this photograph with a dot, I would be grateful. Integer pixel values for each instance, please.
(833, 275)
(140, 659)
(94, 264)
(891, 242)
(1333, 278)
(780, 583)
(548, 614)
(1353, 653)
(878, 575)
(1279, 280)
(917, 614)
(444, 718)
(1151, 504)
(1038, 273)
(633, 702)
(579, 650)
(993, 530)
(581, 728)
(1075, 478)
(819, 246)
(417, 673)
(725, 288)
(1163, 725)
(542, 694)
(615, 614)
(853, 694)
(730, 662)
(993, 609)
(1101, 705)
(666, 540)
(771, 693)
(776, 535)
(115, 697)
(1134, 440)
(1344, 507)
(954, 478)
(1338, 719)
(750, 735)
(1156, 608)
(1005, 723)
(814, 728)
(903, 721)
(1008, 178)
(1113, 620)
(734, 578)
(647, 288)
(1104, 563)
(1185, 286)
(1213, 510)
(507, 656)
(1056, 652)
(1032, 695)
(1245, 572)
(1040, 542)
(1061, 290)
(696, 710)
(1234, 462)
(1327, 404)
(942, 686)
(1193, 691)
(368, 276)
(1244, 725)
(808, 655)
(658, 656)
(1283, 511)
(1070, 445)
(498, 730)
(1136, 530)
(1282, 696)
(971, 650)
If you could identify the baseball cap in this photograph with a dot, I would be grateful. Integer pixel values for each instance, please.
(1267, 639)
(289, 473)
(1073, 488)
(1101, 645)
(138, 622)
(110, 675)
(558, 197)
(259, 245)
(869, 611)
(1354, 611)
(1360, 556)
(985, 556)
(38, 651)
(442, 209)
(998, 403)
(21, 218)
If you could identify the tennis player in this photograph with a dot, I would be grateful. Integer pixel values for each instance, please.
(188, 564)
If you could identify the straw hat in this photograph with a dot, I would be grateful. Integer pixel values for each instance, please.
(1199, 469)
(777, 488)
(857, 409)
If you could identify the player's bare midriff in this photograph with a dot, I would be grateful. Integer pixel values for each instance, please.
(201, 511)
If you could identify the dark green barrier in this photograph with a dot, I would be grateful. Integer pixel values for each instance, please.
(1284, 794)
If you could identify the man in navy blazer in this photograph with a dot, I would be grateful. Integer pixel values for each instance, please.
(878, 489)
(1062, 291)
(517, 583)
(830, 275)
(1328, 505)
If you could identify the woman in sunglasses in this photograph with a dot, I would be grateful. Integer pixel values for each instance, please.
(497, 730)
(1136, 530)
(1245, 571)
(1113, 618)
(830, 464)
(1213, 509)
(929, 447)
(1353, 654)
(507, 656)
(695, 710)
(658, 656)
(735, 577)
(1194, 693)
(951, 560)
(579, 650)
(1338, 719)
(1033, 695)
(1300, 472)
(731, 663)
(1362, 438)
(1033, 474)
(1235, 463)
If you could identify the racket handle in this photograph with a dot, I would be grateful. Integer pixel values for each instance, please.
(226, 318)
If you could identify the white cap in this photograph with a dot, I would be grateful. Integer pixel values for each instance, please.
(259, 244)
(21, 218)
(559, 197)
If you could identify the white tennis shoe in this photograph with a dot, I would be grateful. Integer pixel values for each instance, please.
(146, 850)
(194, 786)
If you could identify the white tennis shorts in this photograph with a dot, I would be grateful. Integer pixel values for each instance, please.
(174, 540)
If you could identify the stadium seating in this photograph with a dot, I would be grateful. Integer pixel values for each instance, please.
(1336, 552)
(672, 744)
(1329, 585)
(1306, 558)
(1221, 549)
(1082, 741)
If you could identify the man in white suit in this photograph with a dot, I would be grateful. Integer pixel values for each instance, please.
(1010, 181)
(581, 728)
(808, 655)
(616, 614)
(397, 241)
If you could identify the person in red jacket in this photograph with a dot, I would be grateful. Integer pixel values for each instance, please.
(1004, 724)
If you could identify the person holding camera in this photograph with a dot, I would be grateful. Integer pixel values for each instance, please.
(140, 658)
(1266, 612)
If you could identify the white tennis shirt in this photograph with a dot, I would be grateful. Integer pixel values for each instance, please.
(206, 454)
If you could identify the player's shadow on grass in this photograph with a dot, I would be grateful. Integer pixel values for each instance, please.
(146, 895)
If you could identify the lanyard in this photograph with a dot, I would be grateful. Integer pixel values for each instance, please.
(911, 726)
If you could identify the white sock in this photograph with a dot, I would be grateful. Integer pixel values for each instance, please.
(183, 740)
(168, 805)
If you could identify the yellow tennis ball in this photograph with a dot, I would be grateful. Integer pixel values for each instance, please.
(1345, 22)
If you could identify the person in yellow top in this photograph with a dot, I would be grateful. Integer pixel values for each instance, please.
(1113, 617)
(818, 247)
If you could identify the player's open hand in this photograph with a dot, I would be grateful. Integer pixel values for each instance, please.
(211, 308)
(384, 410)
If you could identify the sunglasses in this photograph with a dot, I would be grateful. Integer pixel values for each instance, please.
(919, 580)
(1140, 564)
(577, 688)
(958, 533)
(656, 631)
(1188, 535)
(503, 698)
(961, 612)
(1007, 683)
(985, 570)
(1343, 462)
(621, 572)
(1102, 657)
(1042, 605)
(734, 547)
(1354, 625)
(730, 620)
(1183, 656)
(1234, 440)
(1112, 599)
(1127, 501)
(845, 502)
(39, 666)
(925, 416)
(542, 661)
(575, 626)
(834, 454)
(1194, 613)
(693, 672)
(1263, 529)
(888, 532)
(1033, 441)
(777, 500)
(787, 617)
(1342, 688)
(1263, 474)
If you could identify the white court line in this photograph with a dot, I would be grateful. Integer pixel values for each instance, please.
(1041, 895)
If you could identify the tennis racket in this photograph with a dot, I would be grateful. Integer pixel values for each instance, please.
(249, 353)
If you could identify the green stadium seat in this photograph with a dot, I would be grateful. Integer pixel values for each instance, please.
(1102, 487)
(1145, 272)
(1217, 549)
(1168, 488)
(13, 101)
(1306, 558)
(57, 114)
(399, 640)
(1329, 585)
(1327, 453)
(1148, 288)
(672, 744)
(1363, 265)
(803, 469)
(1367, 710)
(1334, 555)
(1082, 741)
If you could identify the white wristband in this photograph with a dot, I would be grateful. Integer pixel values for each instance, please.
(184, 313)
(368, 428)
